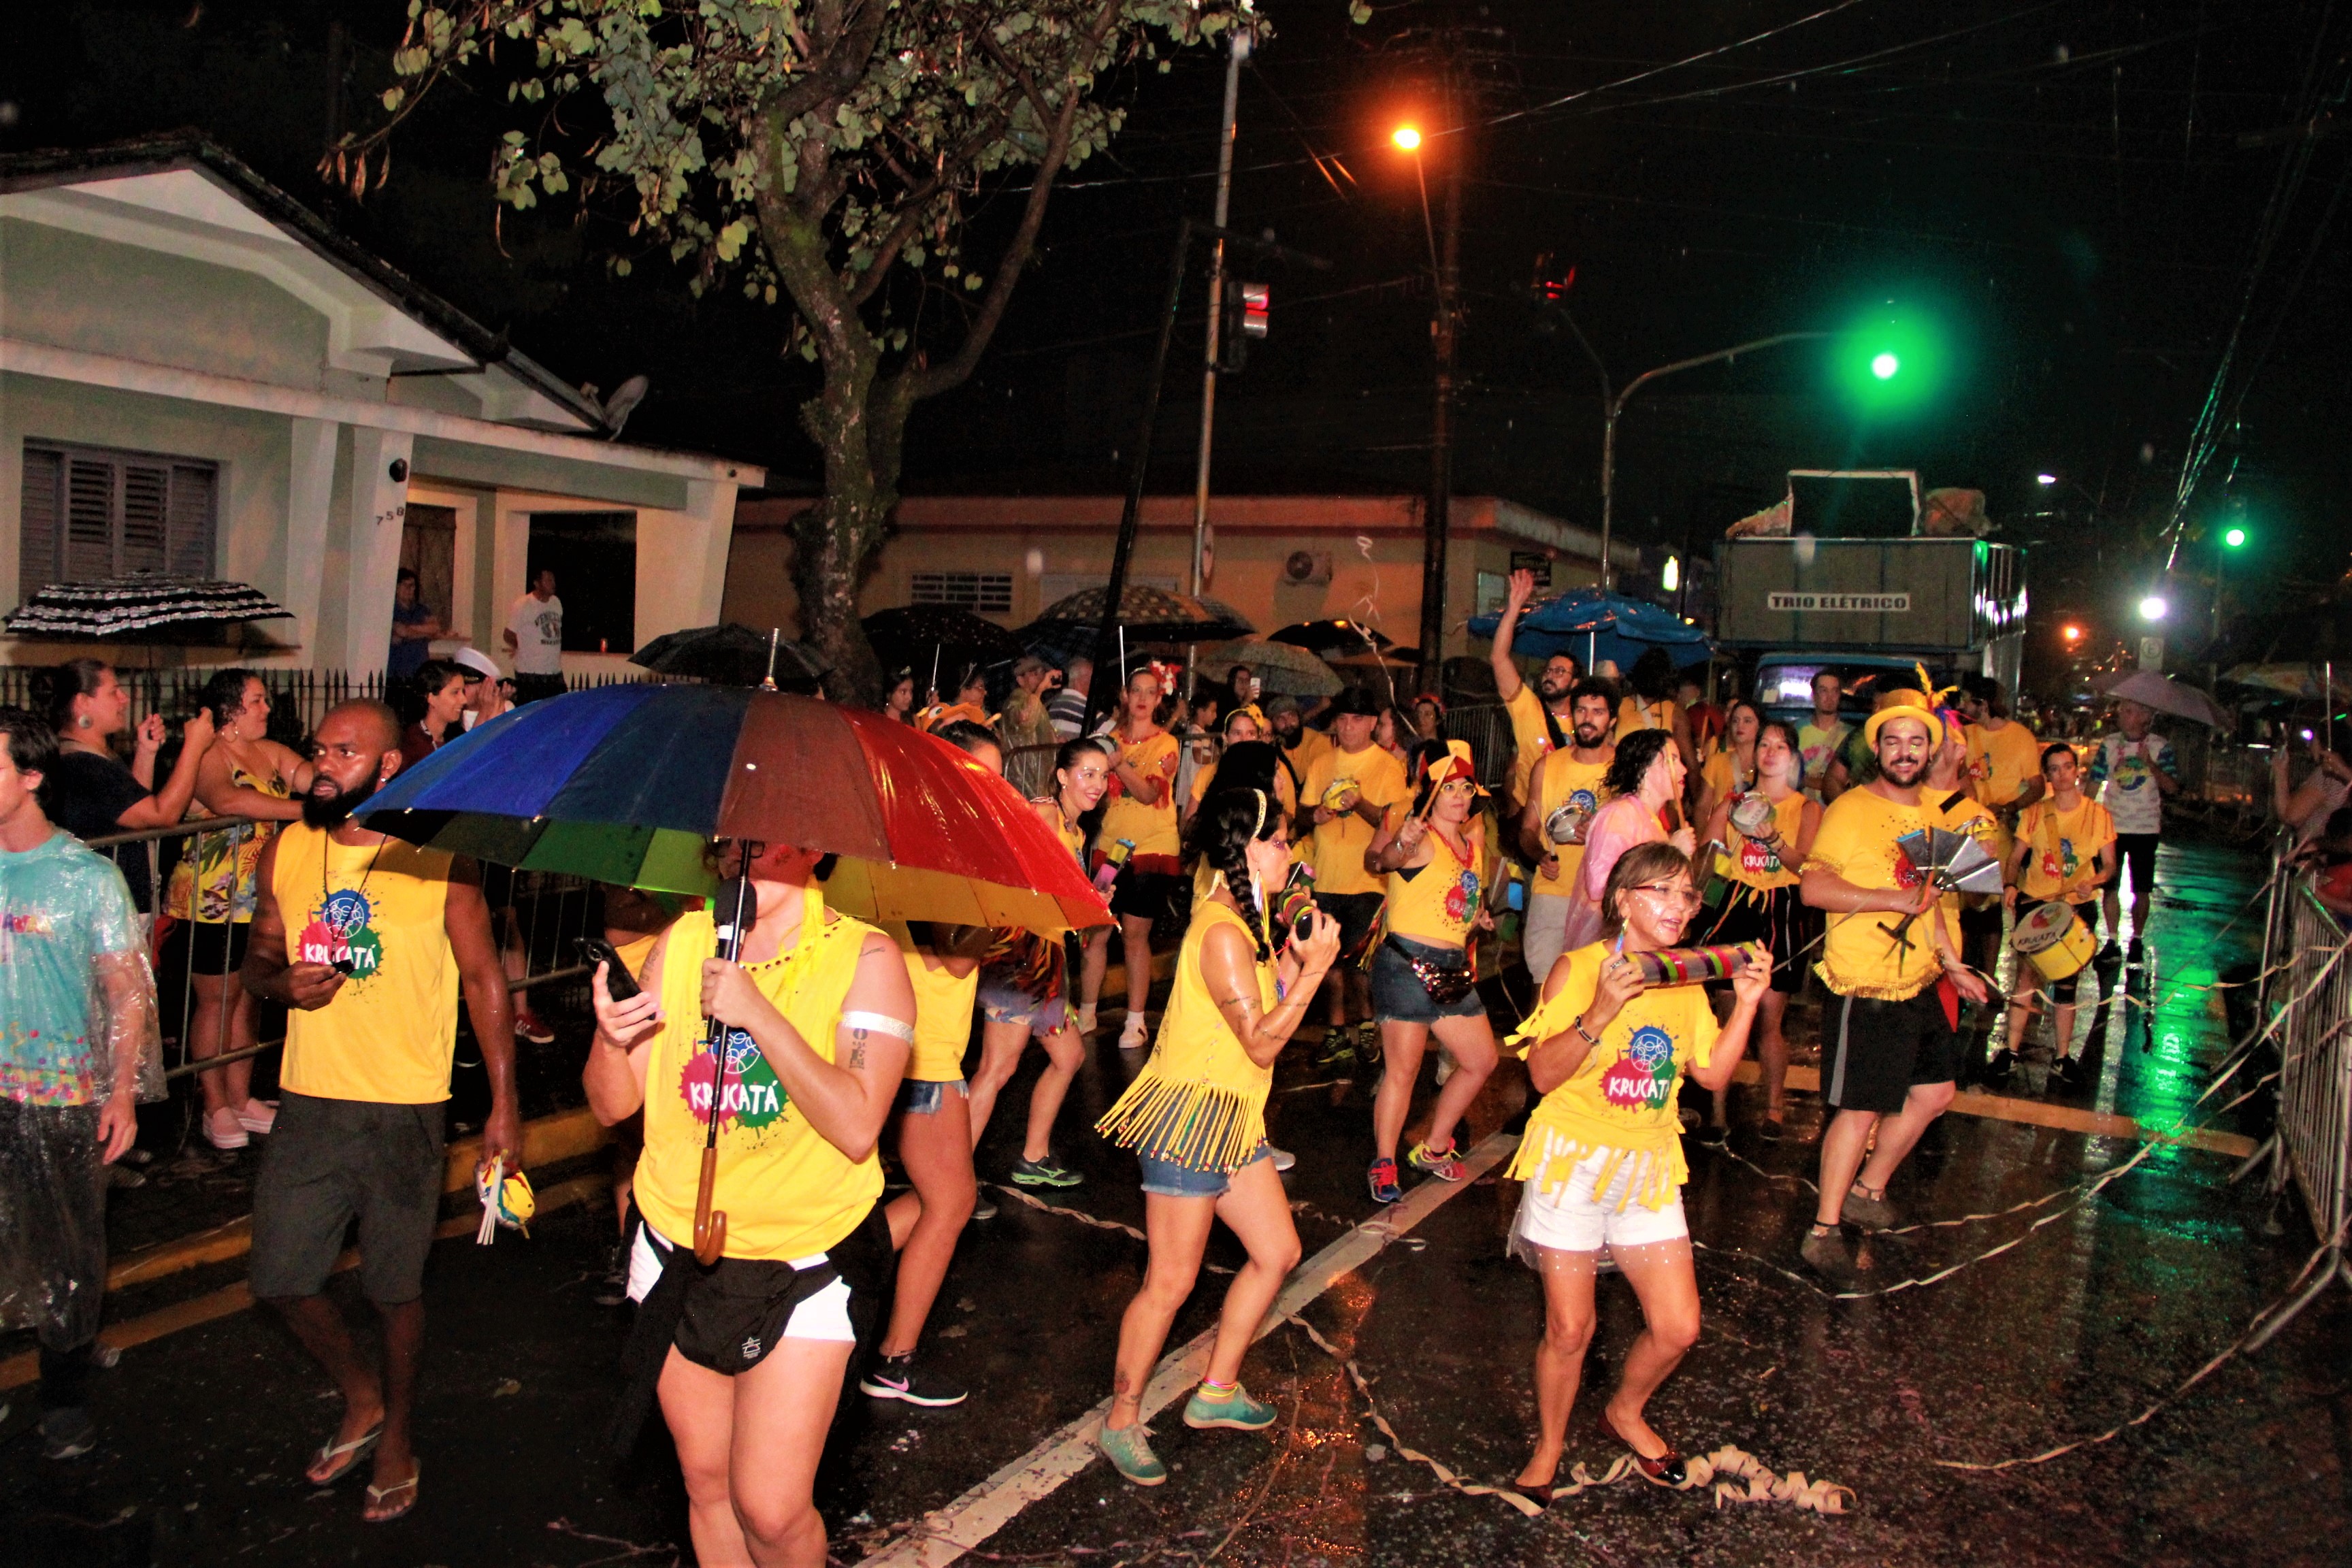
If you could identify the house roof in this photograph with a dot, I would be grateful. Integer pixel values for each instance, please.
(186, 193)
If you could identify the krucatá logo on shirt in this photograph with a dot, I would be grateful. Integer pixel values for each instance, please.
(1645, 1075)
(342, 933)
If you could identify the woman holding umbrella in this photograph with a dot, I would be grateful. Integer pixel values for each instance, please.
(748, 1355)
(1142, 815)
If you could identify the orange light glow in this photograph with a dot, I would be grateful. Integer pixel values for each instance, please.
(1407, 138)
(2074, 634)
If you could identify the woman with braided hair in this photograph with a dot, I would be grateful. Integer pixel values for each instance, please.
(1196, 1116)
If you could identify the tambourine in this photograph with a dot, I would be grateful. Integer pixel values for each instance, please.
(1754, 817)
(1567, 824)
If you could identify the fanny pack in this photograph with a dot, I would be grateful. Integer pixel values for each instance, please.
(1446, 985)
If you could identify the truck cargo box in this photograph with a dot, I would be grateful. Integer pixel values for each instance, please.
(1888, 596)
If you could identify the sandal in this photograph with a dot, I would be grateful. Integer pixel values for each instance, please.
(376, 1495)
(330, 1451)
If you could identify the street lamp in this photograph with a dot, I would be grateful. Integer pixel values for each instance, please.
(2045, 480)
(2153, 607)
(1407, 138)
(2235, 539)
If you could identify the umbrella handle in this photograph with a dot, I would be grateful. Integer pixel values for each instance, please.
(709, 1227)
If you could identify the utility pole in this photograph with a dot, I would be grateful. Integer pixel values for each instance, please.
(1444, 333)
(1201, 546)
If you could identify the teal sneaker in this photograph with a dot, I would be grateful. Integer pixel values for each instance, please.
(1131, 1455)
(1236, 1410)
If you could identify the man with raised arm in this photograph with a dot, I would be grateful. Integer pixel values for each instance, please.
(1540, 719)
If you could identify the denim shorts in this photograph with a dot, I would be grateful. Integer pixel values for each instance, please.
(1009, 1005)
(1171, 1180)
(1397, 993)
(924, 1096)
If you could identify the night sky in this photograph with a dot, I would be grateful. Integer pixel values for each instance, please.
(2076, 194)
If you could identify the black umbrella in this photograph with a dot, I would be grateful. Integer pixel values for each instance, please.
(1325, 638)
(1149, 614)
(143, 609)
(731, 654)
(937, 638)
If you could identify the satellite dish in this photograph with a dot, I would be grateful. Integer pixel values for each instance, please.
(625, 399)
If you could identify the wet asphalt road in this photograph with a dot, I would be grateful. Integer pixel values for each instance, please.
(2093, 1317)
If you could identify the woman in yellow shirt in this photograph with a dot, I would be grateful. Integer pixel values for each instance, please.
(2065, 853)
(1602, 1158)
(1763, 905)
(747, 1357)
(1730, 768)
(1196, 1116)
(1141, 814)
(1434, 855)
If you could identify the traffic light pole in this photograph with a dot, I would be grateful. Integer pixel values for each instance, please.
(1617, 407)
(1241, 48)
(1437, 520)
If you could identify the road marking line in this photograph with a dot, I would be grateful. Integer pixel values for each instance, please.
(2043, 1113)
(946, 1534)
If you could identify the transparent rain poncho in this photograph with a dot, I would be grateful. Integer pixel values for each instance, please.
(77, 997)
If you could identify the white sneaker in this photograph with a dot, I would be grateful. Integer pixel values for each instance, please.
(1136, 1035)
(1283, 1158)
(222, 1129)
(259, 1116)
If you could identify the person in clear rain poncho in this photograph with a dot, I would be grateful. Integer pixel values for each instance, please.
(79, 1051)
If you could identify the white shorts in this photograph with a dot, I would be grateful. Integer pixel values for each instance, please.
(1572, 1217)
(823, 1316)
(1542, 936)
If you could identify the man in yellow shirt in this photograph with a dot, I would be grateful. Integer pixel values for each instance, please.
(1890, 1052)
(1565, 778)
(1350, 787)
(1539, 716)
(367, 941)
(2004, 762)
(1299, 744)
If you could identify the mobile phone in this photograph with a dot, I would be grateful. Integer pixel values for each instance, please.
(596, 949)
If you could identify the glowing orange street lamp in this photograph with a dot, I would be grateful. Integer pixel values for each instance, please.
(1407, 138)
(2074, 634)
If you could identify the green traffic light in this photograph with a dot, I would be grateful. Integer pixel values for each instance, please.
(1885, 366)
(2235, 538)
(1889, 360)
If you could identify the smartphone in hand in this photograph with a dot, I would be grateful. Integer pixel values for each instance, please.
(596, 949)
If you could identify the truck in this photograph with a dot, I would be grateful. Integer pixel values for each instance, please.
(1872, 604)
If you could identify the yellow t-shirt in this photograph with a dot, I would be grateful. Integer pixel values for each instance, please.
(2066, 846)
(1335, 848)
(1564, 781)
(786, 1191)
(1284, 791)
(1856, 840)
(1152, 829)
(1625, 1096)
(1634, 716)
(1436, 903)
(2002, 762)
(1200, 1101)
(1530, 737)
(942, 1012)
(1759, 864)
(388, 1035)
(1819, 748)
(1312, 744)
(1720, 775)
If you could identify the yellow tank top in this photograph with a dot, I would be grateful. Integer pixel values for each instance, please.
(1151, 828)
(390, 1032)
(1567, 782)
(1200, 1101)
(1436, 903)
(787, 1193)
(1634, 715)
(1750, 861)
(943, 1013)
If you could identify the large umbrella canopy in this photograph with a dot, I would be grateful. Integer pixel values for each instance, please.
(922, 637)
(1342, 637)
(1149, 615)
(122, 607)
(1279, 667)
(1591, 625)
(628, 783)
(731, 654)
(2166, 695)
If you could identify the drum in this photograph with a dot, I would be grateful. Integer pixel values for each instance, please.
(1754, 817)
(1567, 824)
(1686, 965)
(2054, 939)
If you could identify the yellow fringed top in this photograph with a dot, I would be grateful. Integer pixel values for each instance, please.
(1623, 1099)
(1200, 1102)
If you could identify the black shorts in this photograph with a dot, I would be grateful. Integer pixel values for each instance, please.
(537, 687)
(203, 947)
(1989, 921)
(1145, 895)
(1881, 1050)
(330, 1161)
(1357, 914)
(2138, 851)
(1772, 916)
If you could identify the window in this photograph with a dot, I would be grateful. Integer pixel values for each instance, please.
(593, 555)
(987, 592)
(89, 513)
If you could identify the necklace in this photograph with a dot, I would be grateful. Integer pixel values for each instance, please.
(328, 854)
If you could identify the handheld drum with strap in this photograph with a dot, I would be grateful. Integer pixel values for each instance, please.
(2053, 938)
(1567, 824)
(1754, 817)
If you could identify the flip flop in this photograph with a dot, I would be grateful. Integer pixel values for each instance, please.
(357, 1449)
(376, 1495)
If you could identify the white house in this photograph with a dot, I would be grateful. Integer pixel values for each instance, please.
(198, 376)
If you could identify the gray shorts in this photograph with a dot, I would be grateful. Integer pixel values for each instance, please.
(330, 1161)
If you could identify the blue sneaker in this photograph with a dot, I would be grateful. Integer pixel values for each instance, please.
(1236, 1410)
(1383, 1179)
(1131, 1455)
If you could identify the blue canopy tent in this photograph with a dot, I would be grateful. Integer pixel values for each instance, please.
(1589, 626)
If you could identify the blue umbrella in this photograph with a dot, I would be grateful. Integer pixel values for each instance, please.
(1590, 626)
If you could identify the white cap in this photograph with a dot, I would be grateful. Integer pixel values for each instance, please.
(475, 660)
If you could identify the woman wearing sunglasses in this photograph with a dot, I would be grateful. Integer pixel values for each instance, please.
(1603, 1155)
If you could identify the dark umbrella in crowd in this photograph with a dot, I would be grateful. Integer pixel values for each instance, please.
(1147, 614)
(732, 655)
(144, 609)
(938, 642)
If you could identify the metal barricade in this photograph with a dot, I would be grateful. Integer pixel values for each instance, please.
(2315, 1091)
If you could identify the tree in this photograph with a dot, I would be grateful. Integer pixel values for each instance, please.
(825, 154)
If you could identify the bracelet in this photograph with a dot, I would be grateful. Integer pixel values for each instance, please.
(1587, 1034)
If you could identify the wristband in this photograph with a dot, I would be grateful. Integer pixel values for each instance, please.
(879, 1024)
(1578, 1026)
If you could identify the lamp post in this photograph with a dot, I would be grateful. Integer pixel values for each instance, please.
(1446, 267)
(1616, 406)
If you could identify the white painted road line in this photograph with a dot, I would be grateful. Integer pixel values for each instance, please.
(948, 1533)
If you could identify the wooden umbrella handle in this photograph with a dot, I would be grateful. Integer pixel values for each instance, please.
(710, 1228)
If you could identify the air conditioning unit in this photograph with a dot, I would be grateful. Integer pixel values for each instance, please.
(1306, 568)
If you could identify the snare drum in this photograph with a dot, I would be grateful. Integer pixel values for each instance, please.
(2053, 938)
(1567, 824)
